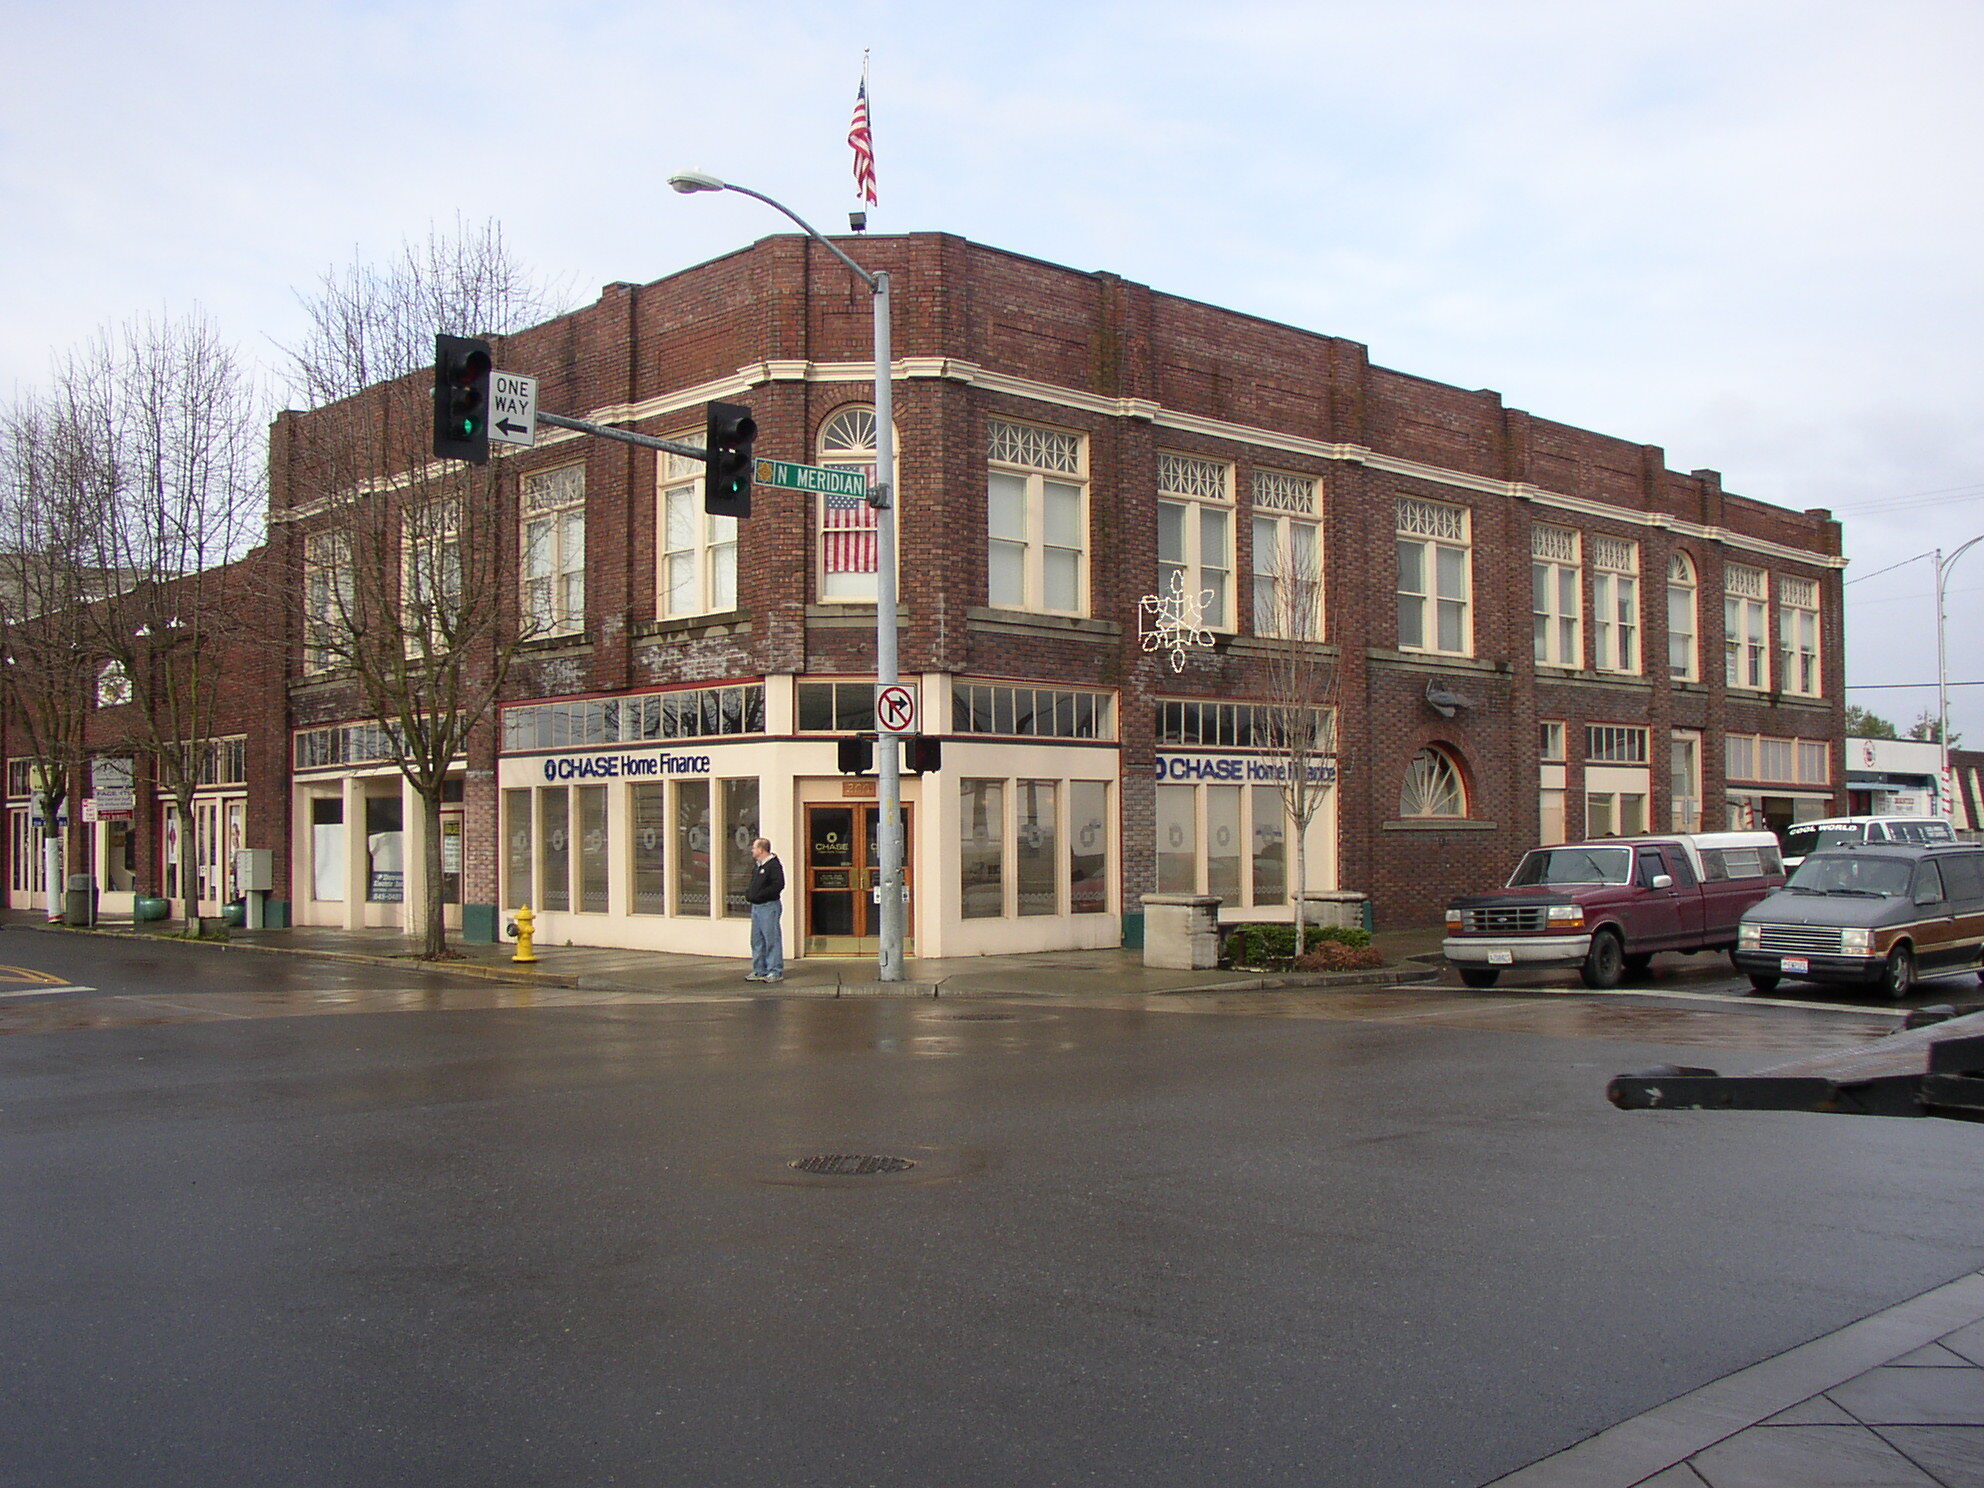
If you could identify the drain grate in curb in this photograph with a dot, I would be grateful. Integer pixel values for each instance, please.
(850, 1164)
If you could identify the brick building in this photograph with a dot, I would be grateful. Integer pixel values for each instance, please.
(1533, 630)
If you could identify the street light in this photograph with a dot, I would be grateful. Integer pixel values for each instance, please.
(888, 750)
(1944, 794)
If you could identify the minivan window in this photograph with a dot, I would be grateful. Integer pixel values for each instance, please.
(1963, 875)
(1922, 831)
(1928, 885)
(1817, 839)
(1574, 865)
(1855, 874)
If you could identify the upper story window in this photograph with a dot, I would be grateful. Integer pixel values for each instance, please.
(554, 550)
(1614, 744)
(1036, 519)
(1746, 627)
(1288, 557)
(1550, 742)
(695, 553)
(1195, 534)
(328, 599)
(1433, 785)
(1434, 609)
(1798, 635)
(1556, 596)
(849, 528)
(1615, 604)
(1031, 712)
(113, 685)
(1682, 626)
(431, 597)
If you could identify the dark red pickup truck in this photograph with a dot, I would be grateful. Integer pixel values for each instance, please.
(1607, 907)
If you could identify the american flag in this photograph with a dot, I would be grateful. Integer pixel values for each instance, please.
(847, 528)
(864, 144)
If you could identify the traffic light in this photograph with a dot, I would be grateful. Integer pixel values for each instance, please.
(461, 399)
(727, 434)
(922, 754)
(857, 754)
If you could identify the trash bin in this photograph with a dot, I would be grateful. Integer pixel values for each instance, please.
(79, 907)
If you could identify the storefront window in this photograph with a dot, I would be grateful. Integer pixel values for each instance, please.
(554, 853)
(1039, 849)
(516, 849)
(982, 850)
(1223, 841)
(385, 844)
(1177, 839)
(740, 817)
(327, 848)
(650, 822)
(593, 887)
(692, 847)
(1270, 846)
(1088, 847)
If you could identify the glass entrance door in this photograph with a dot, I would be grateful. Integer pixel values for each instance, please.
(843, 863)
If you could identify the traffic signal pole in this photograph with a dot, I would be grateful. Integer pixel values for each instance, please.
(888, 743)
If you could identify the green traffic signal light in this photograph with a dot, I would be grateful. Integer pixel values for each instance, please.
(462, 372)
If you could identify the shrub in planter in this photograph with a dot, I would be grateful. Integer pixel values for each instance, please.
(1336, 956)
(1274, 945)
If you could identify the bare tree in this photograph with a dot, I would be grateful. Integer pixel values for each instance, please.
(51, 493)
(407, 594)
(1299, 678)
(166, 410)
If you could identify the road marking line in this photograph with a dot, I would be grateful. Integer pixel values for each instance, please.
(29, 974)
(47, 991)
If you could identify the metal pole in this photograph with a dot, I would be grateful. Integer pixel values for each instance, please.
(1942, 695)
(888, 744)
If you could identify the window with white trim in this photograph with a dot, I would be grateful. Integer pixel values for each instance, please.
(1195, 534)
(1798, 635)
(1786, 761)
(1434, 609)
(1682, 626)
(1288, 557)
(431, 597)
(1614, 744)
(1746, 627)
(328, 599)
(695, 553)
(1550, 742)
(1556, 606)
(1615, 604)
(1433, 786)
(1036, 519)
(553, 550)
(849, 528)
(1684, 781)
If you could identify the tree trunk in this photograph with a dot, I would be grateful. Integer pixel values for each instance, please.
(189, 863)
(1301, 881)
(434, 924)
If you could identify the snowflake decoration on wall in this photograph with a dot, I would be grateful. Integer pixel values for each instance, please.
(1174, 621)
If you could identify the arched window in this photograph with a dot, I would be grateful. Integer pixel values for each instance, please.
(1681, 625)
(848, 527)
(1433, 785)
(113, 685)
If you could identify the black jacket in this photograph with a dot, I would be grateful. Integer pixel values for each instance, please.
(767, 882)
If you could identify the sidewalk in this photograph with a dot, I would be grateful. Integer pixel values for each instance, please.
(1047, 973)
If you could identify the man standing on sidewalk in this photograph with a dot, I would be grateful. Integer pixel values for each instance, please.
(762, 893)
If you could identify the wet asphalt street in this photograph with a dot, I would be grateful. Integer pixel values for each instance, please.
(274, 1221)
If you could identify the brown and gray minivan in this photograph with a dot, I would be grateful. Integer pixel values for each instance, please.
(1882, 914)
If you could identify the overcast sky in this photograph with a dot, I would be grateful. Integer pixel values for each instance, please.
(1747, 232)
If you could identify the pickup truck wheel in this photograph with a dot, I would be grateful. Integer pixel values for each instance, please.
(1760, 982)
(1898, 976)
(1638, 966)
(1605, 963)
(1487, 976)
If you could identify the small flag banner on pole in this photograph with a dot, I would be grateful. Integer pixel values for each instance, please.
(863, 142)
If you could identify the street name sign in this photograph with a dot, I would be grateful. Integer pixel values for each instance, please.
(513, 409)
(826, 480)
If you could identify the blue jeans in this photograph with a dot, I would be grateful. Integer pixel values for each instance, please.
(767, 941)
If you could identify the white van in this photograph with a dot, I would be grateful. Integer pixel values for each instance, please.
(1805, 837)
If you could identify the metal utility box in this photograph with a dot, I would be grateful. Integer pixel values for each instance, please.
(254, 869)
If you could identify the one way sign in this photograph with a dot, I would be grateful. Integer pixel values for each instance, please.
(513, 409)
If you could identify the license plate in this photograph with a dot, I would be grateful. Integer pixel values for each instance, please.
(1501, 958)
(1795, 964)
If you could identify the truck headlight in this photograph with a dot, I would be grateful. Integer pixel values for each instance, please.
(1453, 919)
(1856, 942)
(1749, 937)
(1567, 916)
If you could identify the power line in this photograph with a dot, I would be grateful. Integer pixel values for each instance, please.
(1892, 567)
(1877, 686)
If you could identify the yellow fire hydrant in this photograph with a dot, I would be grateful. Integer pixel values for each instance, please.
(525, 931)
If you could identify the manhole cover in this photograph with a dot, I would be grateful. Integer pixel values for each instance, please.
(850, 1164)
